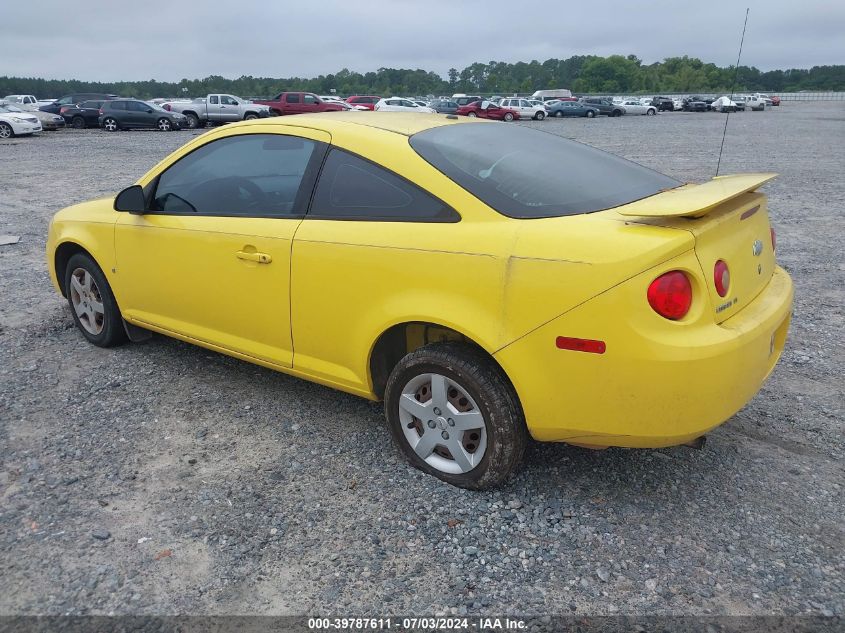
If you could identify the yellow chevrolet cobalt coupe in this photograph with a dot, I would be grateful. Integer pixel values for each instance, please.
(486, 281)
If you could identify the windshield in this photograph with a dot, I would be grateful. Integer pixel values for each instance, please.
(524, 173)
(9, 108)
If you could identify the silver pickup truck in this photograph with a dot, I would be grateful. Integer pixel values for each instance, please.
(217, 108)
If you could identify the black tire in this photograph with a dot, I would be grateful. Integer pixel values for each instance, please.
(590, 114)
(486, 383)
(78, 123)
(616, 113)
(472, 115)
(540, 116)
(508, 117)
(650, 112)
(112, 332)
(193, 121)
(6, 130)
(250, 117)
(559, 114)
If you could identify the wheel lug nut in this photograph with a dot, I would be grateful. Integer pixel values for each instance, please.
(451, 422)
(436, 411)
(431, 424)
(445, 435)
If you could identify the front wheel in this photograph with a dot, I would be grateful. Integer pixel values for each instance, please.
(164, 124)
(651, 112)
(590, 114)
(77, 122)
(540, 116)
(6, 130)
(454, 415)
(508, 117)
(110, 125)
(250, 117)
(92, 303)
(192, 120)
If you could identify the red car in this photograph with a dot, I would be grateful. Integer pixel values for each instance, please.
(367, 101)
(488, 110)
(299, 103)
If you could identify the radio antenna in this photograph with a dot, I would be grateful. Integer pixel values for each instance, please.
(733, 86)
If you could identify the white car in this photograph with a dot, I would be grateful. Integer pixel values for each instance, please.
(17, 123)
(633, 106)
(525, 108)
(678, 104)
(397, 104)
(723, 104)
(755, 102)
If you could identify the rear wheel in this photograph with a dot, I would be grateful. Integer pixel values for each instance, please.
(193, 121)
(616, 113)
(540, 116)
(651, 112)
(92, 303)
(559, 114)
(250, 117)
(164, 124)
(454, 415)
(6, 130)
(590, 114)
(472, 114)
(508, 116)
(77, 122)
(110, 125)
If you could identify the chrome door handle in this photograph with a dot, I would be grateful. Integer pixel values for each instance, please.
(260, 258)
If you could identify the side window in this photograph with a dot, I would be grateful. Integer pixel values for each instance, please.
(213, 100)
(137, 106)
(257, 175)
(65, 100)
(226, 100)
(309, 99)
(355, 189)
(292, 98)
(118, 105)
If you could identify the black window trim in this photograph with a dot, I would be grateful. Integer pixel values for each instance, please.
(303, 196)
(454, 219)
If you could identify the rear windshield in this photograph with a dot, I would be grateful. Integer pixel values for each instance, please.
(524, 173)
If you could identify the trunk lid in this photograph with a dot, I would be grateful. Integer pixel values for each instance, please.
(728, 223)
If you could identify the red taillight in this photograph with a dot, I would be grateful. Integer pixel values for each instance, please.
(101, 111)
(722, 278)
(670, 295)
(166, 106)
(64, 109)
(774, 239)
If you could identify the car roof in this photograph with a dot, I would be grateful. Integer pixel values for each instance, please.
(404, 123)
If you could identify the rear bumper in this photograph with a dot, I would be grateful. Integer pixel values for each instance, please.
(658, 383)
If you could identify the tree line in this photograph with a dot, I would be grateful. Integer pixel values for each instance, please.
(583, 74)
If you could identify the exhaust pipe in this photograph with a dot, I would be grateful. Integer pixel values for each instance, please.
(698, 443)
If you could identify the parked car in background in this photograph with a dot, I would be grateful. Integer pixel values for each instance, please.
(22, 101)
(723, 104)
(398, 104)
(299, 103)
(72, 99)
(487, 110)
(463, 100)
(739, 102)
(444, 106)
(775, 100)
(633, 106)
(755, 102)
(571, 109)
(694, 104)
(218, 108)
(556, 93)
(49, 122)
(17, 123)
(82, 115)
(765, 98)
(365, 101)
(663, 104)
(604, 105)
(123, 114)
(677, 104)
(524, 107)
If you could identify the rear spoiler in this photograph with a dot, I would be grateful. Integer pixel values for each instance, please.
(695, 200)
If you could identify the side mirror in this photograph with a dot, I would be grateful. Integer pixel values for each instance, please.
(131, 199)
(149, 110)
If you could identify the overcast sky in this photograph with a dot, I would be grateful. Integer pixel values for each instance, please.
(192, 39)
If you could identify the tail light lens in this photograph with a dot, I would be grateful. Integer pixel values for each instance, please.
(774, 239)
(722, 278)
(101, 111)
(670, 295)
(166, 106)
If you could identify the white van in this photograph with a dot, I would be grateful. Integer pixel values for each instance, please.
(548, 95)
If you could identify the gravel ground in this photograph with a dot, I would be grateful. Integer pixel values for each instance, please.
(162, 478)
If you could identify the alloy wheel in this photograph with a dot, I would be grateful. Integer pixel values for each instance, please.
(110, 125)
(5, 130)
(164, 125)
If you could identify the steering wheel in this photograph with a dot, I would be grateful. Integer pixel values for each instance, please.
(237, 184)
